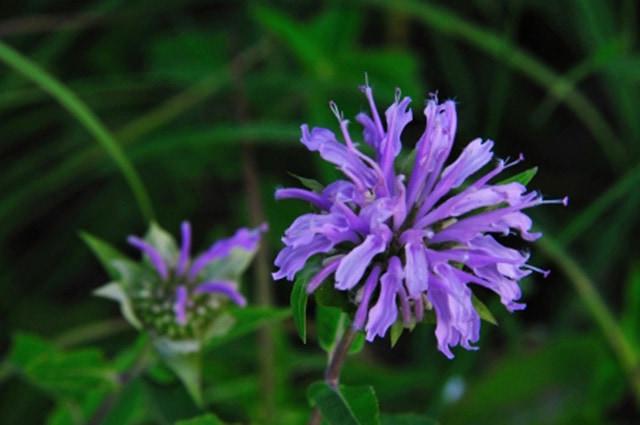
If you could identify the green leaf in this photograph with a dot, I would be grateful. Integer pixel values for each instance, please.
(331, 323)
(407, 419)
(188, 55)
(208, 419)
(346, 406)
(185, 359)
(230, 267)
(299, 299)
(397, 329)
(68, 374)
(105, 253)
(247, 320)
(114, 291)
(358, 343)
(523, 178)
(483, 310)
(310, 184)
(79, 110)
(162, 241)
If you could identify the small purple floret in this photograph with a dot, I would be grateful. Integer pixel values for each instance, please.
(405, 243)
(187, 273)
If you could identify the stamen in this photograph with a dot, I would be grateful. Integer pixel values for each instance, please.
(564, 201)
(334, 108)
(398, 94)
(543, 272)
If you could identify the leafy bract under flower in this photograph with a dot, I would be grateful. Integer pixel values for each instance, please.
(403, 244)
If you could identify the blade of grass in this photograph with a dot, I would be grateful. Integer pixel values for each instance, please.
(85, 161)
(586, 289)
(448, 23)
(590, 215)
(85, 117)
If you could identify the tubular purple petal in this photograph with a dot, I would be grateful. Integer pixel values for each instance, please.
(367, 291)
(180, 305)
(305, 195)
(154, 256)
(185, 248)
(354, 264)
(326, 271)
(385, 312)
(246, 239)
(222, 287)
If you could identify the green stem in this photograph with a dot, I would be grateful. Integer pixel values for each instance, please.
(85, 116)
(332, 373)
(511, 55)
(91, 332)
(585, 287)
(124, 379)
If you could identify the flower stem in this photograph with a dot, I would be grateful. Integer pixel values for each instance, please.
(123, 379)
(332, 373)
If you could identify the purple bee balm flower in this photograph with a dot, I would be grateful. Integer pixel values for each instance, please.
(406, 243)
(195, 284)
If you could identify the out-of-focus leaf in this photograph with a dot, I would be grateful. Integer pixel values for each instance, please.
(346, 406)
(299, 299)
(114, 291)
(105, 253)
(310, 184)
(67, 374)
(407, 419)
(185, 359)
(523, 178)
(631, 313)
(483, 310)
(306, 48)
(188, 56)
(331, 323)
(208, 419)
(163, 242)
(358, 343)
(247, 320)
(552, 373)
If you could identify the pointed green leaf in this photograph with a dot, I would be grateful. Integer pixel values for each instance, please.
(208, 419)
(523, 178)
(483, 310)
(231, 267)
(331, 323)
(299, 299)
(105, 253)
(162, 240)
(358, 343)
(114, 291)
(310, 184)
(185, 359)
(397, 329)
(62, 373)
(247, 320)
(346, 406)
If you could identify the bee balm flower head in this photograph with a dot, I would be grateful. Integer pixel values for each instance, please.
(402, 244)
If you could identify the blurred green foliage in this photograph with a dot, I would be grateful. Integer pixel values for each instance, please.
(182, 93)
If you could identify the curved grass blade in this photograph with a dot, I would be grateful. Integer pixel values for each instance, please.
(448, 23)
(83, 114)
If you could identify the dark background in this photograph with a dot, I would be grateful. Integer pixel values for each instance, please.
(206, 98)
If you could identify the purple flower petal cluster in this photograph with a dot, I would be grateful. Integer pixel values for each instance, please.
(403, 244)
(187, 277)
